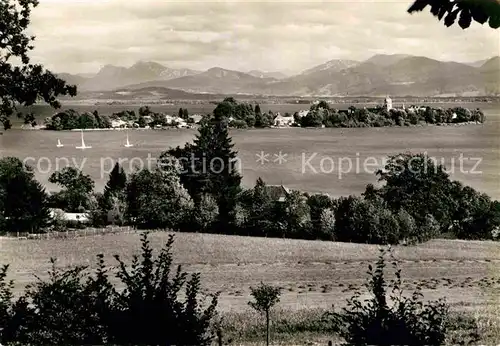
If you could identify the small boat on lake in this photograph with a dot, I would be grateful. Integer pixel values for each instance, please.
(83, 146)
(128, 144)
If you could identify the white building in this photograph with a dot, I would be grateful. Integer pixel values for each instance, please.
(60, 214)
(281, 121)
(388, 103)
(118, 123)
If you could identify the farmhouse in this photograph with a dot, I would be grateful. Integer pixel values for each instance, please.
(74, 217)
(118, 123)
(196, 118)
(278, 193)
(281, 121)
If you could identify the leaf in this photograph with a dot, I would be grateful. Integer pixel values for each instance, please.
(494, 22)
(465, 19)
(418, 6)
(478, 15)
(450, 18)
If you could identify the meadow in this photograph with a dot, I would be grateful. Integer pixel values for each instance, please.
(334, 161)
(313, 275)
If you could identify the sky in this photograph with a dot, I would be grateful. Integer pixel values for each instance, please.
(81, 36)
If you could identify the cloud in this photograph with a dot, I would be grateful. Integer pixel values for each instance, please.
(80, 36)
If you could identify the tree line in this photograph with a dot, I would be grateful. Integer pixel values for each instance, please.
(417, 201)
(245, 115)
(71, 119)
(322, 115)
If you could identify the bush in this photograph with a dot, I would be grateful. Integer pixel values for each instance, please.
(239, 124)
(405, 321)
(68, 310)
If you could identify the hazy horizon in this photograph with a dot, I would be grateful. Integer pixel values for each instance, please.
(267, 36)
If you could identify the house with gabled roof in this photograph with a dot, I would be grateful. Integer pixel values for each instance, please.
(278, 193)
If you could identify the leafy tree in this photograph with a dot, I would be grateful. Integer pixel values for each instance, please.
(22, 83)
(142, 122)
(144, 111)
(313, 119)
(414, 182)
(362, 221)
(88, 121)
(413, 118)
(76, 192)
(317, 204)
(181, 113)
(23, 201)
(296, 215)
(265, 297)
(206, 212)
(225, 109)
(263, 120)
(185, 113)
(389, 317)
(407, 227)
(327, 224)
(157, 199)
(475, 216)
(481, 11)
(259, 211)
(250, 120)
(117, 210)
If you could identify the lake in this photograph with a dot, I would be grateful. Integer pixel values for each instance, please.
(334, 161)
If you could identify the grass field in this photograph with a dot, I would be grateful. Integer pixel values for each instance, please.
(313, 275)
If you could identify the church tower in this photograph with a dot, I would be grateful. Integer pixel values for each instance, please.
(388, 103)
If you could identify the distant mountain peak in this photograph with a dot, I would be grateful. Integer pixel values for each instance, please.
(332, 66)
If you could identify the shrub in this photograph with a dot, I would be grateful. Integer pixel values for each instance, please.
(150, 310)
(376, 321)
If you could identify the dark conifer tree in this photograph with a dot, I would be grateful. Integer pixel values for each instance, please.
(257, 109)
(209, 167)
(115, 187)
(117, 180)
(219, 176)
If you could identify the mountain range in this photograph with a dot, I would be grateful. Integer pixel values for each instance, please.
(397, 75)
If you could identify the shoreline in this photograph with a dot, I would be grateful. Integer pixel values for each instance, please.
(252, 128)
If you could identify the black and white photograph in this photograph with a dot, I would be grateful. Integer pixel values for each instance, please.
(208, 173)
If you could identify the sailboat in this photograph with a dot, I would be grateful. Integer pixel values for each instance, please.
(59, 144)
(128, 145)
(83, 146)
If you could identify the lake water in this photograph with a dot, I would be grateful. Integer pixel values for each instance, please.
(335, 161)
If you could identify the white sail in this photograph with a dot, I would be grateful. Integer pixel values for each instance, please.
(83, 146)
(59, 144)
(128, 145)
